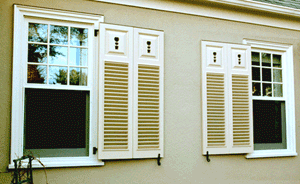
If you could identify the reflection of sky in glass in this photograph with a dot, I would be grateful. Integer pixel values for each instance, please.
(78, 56)
(37, 53)
(59, 35)
(79, 36)
(58, 75)
(58, 55)
(37, 32)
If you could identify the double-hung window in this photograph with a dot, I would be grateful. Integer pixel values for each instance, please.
(273, 99)
(81, 95)
(248, 99)
(54, 87)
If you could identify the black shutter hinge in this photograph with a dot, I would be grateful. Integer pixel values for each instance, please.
(95, 150)
(96, 32)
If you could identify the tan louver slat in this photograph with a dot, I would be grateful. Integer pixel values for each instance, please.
(240, 112)
(115, 106)
(215, 110)
(148, 107)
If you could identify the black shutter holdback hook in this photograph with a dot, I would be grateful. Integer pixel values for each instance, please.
(158, 160)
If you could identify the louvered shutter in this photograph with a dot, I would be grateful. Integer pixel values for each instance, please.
(148, 93)
(115, 92)
(226, 98)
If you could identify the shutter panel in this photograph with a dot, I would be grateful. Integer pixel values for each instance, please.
(214, 98)
(241, 126)
(226, 98)
(148, 94)
(115, 87)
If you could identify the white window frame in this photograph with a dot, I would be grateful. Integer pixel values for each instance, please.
(20, 14)
(289, 97)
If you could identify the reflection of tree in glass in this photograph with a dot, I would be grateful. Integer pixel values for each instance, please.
(78, 78)
(34, 74)
(37, 53)
(79, 36)
(61, 77)
(59, 35)
(37, 32)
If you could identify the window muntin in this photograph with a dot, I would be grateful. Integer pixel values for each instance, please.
(269, 119)
(57, 55)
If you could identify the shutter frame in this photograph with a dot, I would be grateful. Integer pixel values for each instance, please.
(116, 46)
(148, 60)
(220, 59)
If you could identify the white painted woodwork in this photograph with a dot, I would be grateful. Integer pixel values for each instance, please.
(115, 92)
(148, 93)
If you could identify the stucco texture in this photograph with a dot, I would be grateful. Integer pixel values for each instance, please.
(183, 161)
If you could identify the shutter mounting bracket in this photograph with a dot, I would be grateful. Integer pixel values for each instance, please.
(95, 150)
(158, 160)
(207, 157)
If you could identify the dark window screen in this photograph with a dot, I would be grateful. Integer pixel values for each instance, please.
(268, 120)
(55, 119)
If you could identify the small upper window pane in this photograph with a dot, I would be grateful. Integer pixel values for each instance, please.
(37, 53)
(266, 59)
(78, 56)
(37, 32)
(276, 60)
(59, 35)
(255, 58)
(79, 36)
(58, 55)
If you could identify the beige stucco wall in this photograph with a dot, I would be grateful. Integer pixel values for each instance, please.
(183, 162)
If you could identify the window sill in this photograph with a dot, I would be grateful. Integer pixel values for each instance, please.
(62, 162)
(271, 153)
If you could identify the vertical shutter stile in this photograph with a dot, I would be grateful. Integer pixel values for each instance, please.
(148, 94)
(115, 87)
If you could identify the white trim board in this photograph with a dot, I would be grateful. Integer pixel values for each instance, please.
(220, 13)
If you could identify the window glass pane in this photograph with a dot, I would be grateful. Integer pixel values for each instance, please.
(56, 119)
(37, 74)
(79, 36)
(256, 89)
(37, 32)
(278, 90)
(78, 76)
(37, 53)
(266, 59)
(266, 74)
(267, 90)
(255, 58)
(255, 73)
(58, 55)
(269, 122)
(276, 60)
(58, 75)
(59, 35)
(78, 56)
(277, 75)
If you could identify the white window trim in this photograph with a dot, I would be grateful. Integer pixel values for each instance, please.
(290, 99)
(20, 13)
